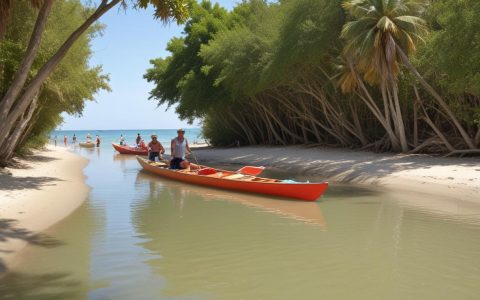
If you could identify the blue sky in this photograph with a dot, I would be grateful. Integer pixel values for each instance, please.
(131, 38)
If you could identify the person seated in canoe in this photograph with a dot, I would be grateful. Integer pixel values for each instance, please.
(155, 149)
(180, 149)
(122, 140)
(142, 145)
(89, 138)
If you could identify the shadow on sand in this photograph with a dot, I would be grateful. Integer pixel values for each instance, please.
(8, 182)
(344, 166)
(47, 286)
(9, 230)
(15, 285)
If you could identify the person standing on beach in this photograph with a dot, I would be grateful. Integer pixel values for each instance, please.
(65, 140)
(139, 139)
(155, 149)
(55, 140)
(180, 149)
(98, 141)
(74, 139)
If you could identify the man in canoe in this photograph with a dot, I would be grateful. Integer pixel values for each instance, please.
(155, 149)
(180, 149)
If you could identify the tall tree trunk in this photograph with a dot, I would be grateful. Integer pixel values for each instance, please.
(398, 111)
(468, 140)
(33, 87)
(6, 7)
(415, 119)
(21, 75)
(14, 139)
(368, 100)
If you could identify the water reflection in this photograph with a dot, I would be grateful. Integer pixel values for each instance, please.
(61, 272)
(210, 248)
(308, 212)
(143, 237)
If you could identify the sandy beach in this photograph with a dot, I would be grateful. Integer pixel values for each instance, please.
(41, 191)
(452, 178)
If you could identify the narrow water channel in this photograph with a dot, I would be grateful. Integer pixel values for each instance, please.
(142, 237)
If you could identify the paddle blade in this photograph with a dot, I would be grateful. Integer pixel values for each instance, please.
(251, 170)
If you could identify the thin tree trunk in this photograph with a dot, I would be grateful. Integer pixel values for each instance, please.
(434, 127)
(21, 75)
(401, 126)
(378, 114)
(6, 7)
(437, 97)
(13, 141)
(33, 87)
(415, 118)
(477, 137)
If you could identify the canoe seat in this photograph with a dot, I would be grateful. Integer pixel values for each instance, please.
(239, 177)
(207, 171)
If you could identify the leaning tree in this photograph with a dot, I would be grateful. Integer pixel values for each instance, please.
(20, 99)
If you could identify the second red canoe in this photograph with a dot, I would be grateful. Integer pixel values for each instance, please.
(130, 150)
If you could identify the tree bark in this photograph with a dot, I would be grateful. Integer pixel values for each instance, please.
(21, 75)
(14, 139)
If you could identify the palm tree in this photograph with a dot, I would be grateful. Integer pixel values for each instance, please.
(381, 35)
(351, 83)
(377, 31)
(20, 98)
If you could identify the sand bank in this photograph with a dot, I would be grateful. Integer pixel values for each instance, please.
(452, 178)
(41, 191)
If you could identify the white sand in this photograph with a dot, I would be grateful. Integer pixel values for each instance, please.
(44, 190)
(453, 178)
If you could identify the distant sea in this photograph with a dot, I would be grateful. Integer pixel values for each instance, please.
(107, 137)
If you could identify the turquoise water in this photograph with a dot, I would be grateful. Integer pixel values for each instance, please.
(139, 236)
(113, 136)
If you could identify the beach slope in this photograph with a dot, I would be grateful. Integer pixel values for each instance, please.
(39, 192)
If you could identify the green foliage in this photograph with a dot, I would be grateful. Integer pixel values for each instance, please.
(373, 31)
(269, 72)
(308, 38)
(165, 9)
(180, 77)
(219, 131)
(72, 83)
(452, 53)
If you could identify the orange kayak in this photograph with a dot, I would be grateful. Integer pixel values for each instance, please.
(130, 150)
(234, 181)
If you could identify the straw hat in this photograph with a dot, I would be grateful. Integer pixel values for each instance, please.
(181, 130)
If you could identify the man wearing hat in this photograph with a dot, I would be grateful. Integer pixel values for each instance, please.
(180, 149)
(155, 149)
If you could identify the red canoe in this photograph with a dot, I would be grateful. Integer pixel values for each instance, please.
(234, 181)
(130, 150)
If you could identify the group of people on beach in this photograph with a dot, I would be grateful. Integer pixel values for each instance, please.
(179, 150)
(74, 139)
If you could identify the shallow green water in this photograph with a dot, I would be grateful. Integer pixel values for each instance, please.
(142, 237)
